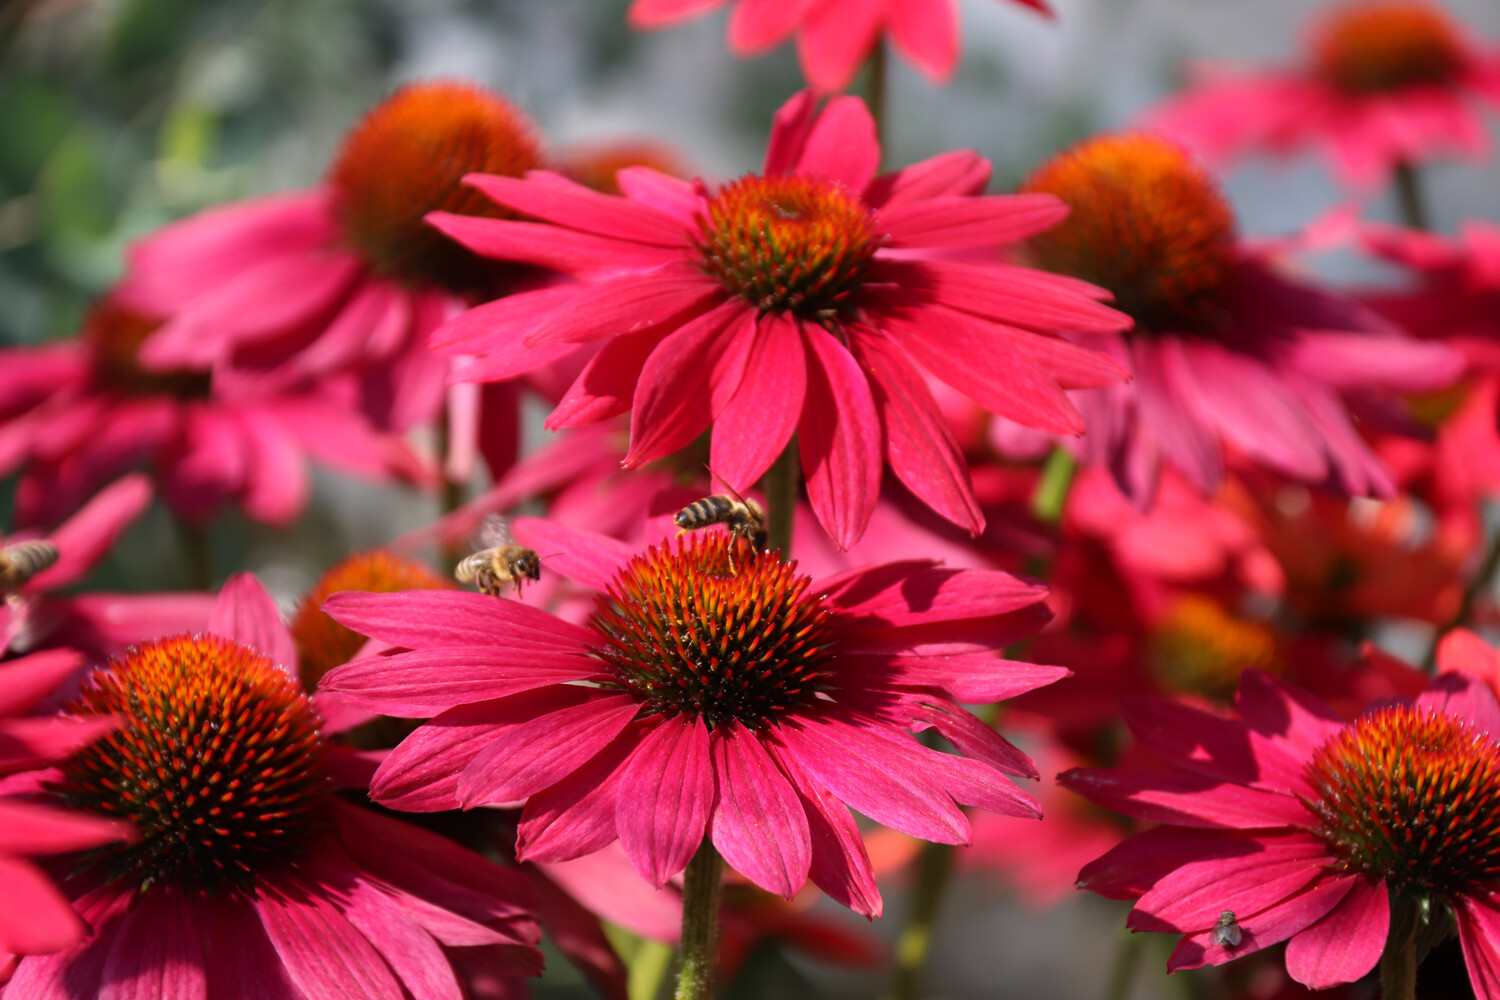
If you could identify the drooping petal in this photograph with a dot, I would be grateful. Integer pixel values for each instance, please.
(919, 442)
(407, 948)
(1266, 870)
(839, 440)
(667, 796)
(761, 417)
(577, 816)
(672, 398)
(758, 825)
(1479, 934)
(840, 863)
(1270, 926)
(927, 34)
(421, 774)
(1185, 799)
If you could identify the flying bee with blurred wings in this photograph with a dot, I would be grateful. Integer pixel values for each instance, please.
(741, 517)
(501, 561)
(22, 561)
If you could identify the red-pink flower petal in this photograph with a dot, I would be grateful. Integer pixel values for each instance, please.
(577, 816)
(918, 440)
(246, 614)
(1479, 935)
(671, 405)
(558, 731)
(836, 38)
(406, 947)
(419, 618)
(889, 781)
(421, 774)
(667, 296)
(927, 34)
(423, 682)
(1268, 870)
(758, 825)
(955, 173)
(662, 821)
(156, 954)
(545, 245)
(553, 198)
(1185, 799)
(1270, 926)
(840, 440)
(840, 864)
(324, 955)
(760, 419)
(919, 593)
(842, 145)
(83, 539)
(758, 25)
(956, 221)
(36, 919)
(1282, 712)
(660, 13)
(1347, 943)
(28, 679)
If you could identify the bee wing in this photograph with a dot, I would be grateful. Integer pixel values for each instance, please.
(714, 475)
(493, 533)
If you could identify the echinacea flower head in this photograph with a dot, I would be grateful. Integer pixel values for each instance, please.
(1310, 829)
(36, 918)
(251, 877)
(1200, 648)
(808, 299)
(738, 701)
(1383, 84)
(1227, 352)
(97, 411)
(834, 37)
(344, 278)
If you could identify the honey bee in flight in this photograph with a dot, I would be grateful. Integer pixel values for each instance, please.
(24, 560)
(743, 518)
(501, 561)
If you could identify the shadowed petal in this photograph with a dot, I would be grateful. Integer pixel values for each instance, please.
(576, 816)
(840, 864)
(1479, 934)
(759, 421)
(563, 729)
(156, 953)
(586, 557)
(1185, 799)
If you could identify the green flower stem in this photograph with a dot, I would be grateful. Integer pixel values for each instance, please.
(1409, 197)
(1052, 491)
(914, 946)
(780, 486)
(700, 923)
(1398, 963)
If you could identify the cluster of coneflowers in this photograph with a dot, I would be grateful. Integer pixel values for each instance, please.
(1127, 444)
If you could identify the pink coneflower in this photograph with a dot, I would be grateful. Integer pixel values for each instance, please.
(1309, 829)
(102, 413)
(251, 877)
(1226, 351)
(345, 277)
(1386, 84)
(36, 919)
(834, 37)
(801, 300)
(746, 706)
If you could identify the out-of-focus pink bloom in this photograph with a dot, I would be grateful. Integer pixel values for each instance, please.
(1385, 84)
(98, 624)
(834, 37)
(1185, 538)
(102, 414)
(1227, 352)
(798, 301)
(281, 291)
(36, 918)
(263, 884)
(1456, 300)
(1302, 825)
(661, 747)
